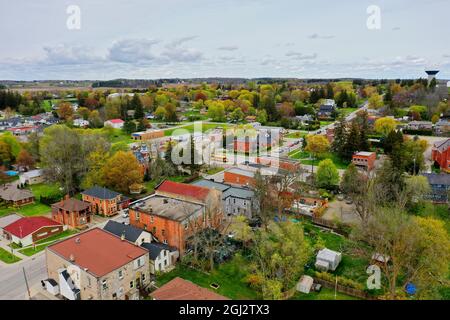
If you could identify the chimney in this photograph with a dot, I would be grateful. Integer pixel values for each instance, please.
(122, 237)
(72, 258)
(77, 240)
(66, 197)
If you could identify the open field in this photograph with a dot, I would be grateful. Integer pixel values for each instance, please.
(35, 209)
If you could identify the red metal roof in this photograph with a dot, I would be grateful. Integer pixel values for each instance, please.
(25, 226)
(182, 189)
(98, 251)
(116, 121)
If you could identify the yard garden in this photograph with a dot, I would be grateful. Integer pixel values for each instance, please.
(304, 158)
(8, 257)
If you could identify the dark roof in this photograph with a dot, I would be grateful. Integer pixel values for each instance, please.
(101, 193)
(155, 249)
(131, 233)
(72, 205)
(435, 178)
(326, 108)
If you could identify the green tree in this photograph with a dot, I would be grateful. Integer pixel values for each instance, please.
(327, 174)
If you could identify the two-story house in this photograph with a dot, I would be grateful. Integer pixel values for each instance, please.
(104, 201)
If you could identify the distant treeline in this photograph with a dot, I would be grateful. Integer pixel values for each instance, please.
(10, 99)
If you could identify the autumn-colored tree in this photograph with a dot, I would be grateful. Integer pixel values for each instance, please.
(317, 145)
(83, 112)
(65, 110)
(5, 153)
(121, 171)
(24, 159)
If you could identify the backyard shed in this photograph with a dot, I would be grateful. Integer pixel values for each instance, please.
(305, 284)
(328, 260)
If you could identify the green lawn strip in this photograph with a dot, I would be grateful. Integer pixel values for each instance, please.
(8, 257)
(229, 276)
(45, 189)
(214, 170)
(336, 160)
(63, 234)
(296, 135)
(29, 251)
(324, 294)
(346, 111)
(190, 128)
(42, 244)
(35, 209)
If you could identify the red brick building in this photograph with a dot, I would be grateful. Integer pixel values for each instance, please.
(236, 176)
(441, 154)
(72, 212)
(104, 201)
(365, 160)
(171, 221)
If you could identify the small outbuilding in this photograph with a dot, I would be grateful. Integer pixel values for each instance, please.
(305, 284)
(328, 260)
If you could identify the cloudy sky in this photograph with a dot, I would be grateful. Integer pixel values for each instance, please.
(227, 38)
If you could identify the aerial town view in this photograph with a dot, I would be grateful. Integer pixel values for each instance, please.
(225, 150)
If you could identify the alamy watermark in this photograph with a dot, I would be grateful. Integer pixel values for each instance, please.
(374, 19)
(73, 21)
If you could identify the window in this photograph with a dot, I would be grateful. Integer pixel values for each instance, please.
(145, 227)
(104, 285)
(186, 226)
(163, 232)
(89, 281)
(154, 230)
(120, 274)
(131, 284)
(151, 219)
(143, 277)
(165, 263)
(165, 253)
(165, 241)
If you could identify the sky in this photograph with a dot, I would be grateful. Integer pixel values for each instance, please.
(150, 39)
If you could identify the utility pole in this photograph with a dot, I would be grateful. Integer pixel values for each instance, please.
(26, 283)
(335, 289)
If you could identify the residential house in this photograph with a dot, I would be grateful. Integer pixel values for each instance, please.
(180, 289)
(162, 256)
(327, 109)
(23, 130)
(96, 265)
(32, 177)
(420, 125)
(104, 201)
(440, 154)
(309, 204)
(327, 259)
(14, 196)
(80, 123)
(440, 187)
(130, 233)
(364, 160)
(72, 212)
(28, 230)
(235, 200)
(171, 221)
(114, 123)
(282, 163)
(442, 127)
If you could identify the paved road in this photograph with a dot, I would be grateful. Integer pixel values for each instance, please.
(12, 282)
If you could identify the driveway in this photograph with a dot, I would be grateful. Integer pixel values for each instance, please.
(342, 212)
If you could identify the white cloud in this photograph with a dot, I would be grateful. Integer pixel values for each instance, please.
(300, 56)
(315, 36)
(66, 55)
(228, 48)
(133, 50)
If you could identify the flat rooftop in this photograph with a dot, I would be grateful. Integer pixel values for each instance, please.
(169, 208)
(364, 154)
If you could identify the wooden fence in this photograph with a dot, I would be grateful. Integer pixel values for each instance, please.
(346, 290)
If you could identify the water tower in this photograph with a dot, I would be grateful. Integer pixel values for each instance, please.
(431, 74)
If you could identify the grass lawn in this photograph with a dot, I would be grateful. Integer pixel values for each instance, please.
(336, 160)
(190, 128)
(325, 123)
(346, 111)
(324, 294)
(63, 234)
(438, 211)
(214, 170)
(45, 189)
(35, 209)
(296, 135)
(8, 257)
(29, 251)
(229, 276)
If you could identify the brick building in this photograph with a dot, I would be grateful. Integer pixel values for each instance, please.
(29, 230)
(441, 154)
(171, 221)
(147, 135)
(237, 176)
(104, 201)
(72, 212)
(364, 160)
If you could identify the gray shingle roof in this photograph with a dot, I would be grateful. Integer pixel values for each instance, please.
(435, 178)
(155, 249)
(101, 193)
(131, 233)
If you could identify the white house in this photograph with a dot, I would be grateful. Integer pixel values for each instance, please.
(328, 260)
(115, 123)
(128, 232)
(162, 257)
(32, 177)
(80, 123)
